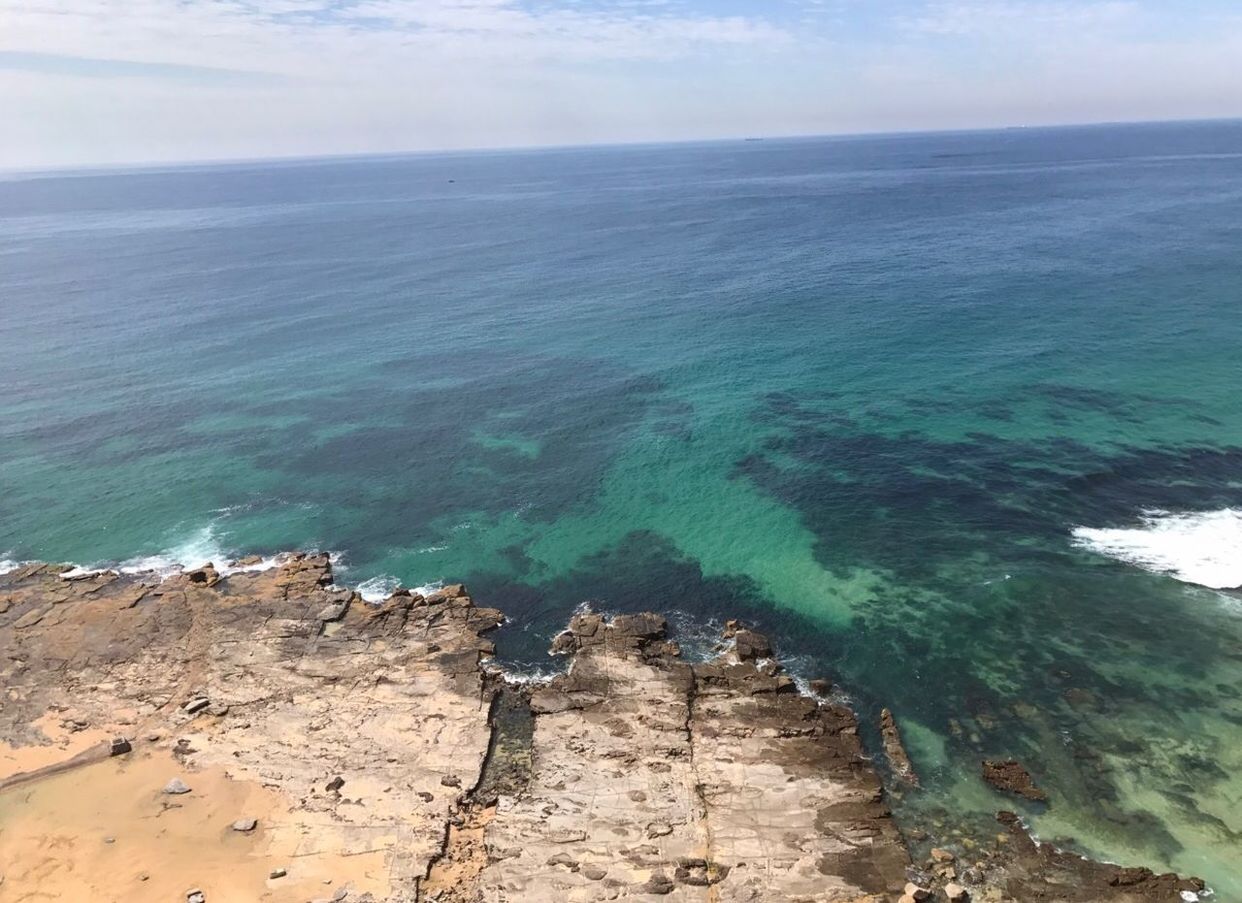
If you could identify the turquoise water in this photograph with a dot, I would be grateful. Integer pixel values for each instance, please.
(860, 391)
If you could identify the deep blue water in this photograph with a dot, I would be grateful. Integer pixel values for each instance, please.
(859, 390)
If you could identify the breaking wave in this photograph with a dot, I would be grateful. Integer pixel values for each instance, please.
(1204, 548)
(199, 549)
(377, 589)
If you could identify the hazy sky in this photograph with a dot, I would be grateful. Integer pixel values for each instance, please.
(97, 81)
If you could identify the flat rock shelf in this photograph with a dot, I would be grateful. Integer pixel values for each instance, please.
(318, 747)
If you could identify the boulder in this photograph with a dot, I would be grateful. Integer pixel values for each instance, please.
(204, 576)
(750, 645)
(898, 759)
(1009, 775)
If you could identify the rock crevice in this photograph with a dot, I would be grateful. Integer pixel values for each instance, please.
(375, 750)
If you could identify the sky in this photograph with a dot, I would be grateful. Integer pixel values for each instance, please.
(86, 82)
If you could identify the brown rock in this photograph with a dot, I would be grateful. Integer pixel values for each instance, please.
(1009, 775)
(898, 760)
(206, 575)
(751, 646)
(723, 755)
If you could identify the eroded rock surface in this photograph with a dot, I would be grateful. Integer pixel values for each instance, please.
(332, 749)
(1010, 775)
(652, 777)
(307, 689)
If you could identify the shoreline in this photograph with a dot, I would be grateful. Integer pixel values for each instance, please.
(380, 749)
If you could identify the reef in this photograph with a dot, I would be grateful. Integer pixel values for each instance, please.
(255, 733)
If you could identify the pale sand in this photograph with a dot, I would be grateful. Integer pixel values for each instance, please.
(62, 745)
(54, 837)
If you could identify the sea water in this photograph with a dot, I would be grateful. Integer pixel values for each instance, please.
(956, 418)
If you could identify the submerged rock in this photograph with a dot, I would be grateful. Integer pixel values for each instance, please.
(898, 760)
(635, 771)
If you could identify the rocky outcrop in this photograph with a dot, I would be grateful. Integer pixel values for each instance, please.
(895, 750)
(371, 722)
(267, 735)
(1011, 776)
(1040, 873)
(719, 781)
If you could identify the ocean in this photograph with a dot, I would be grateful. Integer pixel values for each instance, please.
(955, 418)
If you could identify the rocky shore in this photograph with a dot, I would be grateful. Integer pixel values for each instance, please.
(240, 735)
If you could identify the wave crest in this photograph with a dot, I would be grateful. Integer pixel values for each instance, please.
(1203, 548)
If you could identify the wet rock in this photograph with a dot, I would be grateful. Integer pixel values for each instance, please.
(1025, 868)
(564, 643)
(898, 760)
(176, 787)
(646, 626)
(206, 575)
(751, 646)
(821, 687)
(1009, 775)
(724, 754)
(687, 750)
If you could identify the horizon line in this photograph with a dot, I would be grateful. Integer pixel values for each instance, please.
(311, 158)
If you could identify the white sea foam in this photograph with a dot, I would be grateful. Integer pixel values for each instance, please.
(377, 589)
(1203, 547)
(200, 548)
(527, 676)
(78, 571)
(8, 564)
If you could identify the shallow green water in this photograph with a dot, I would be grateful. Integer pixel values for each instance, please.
(859, 391)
